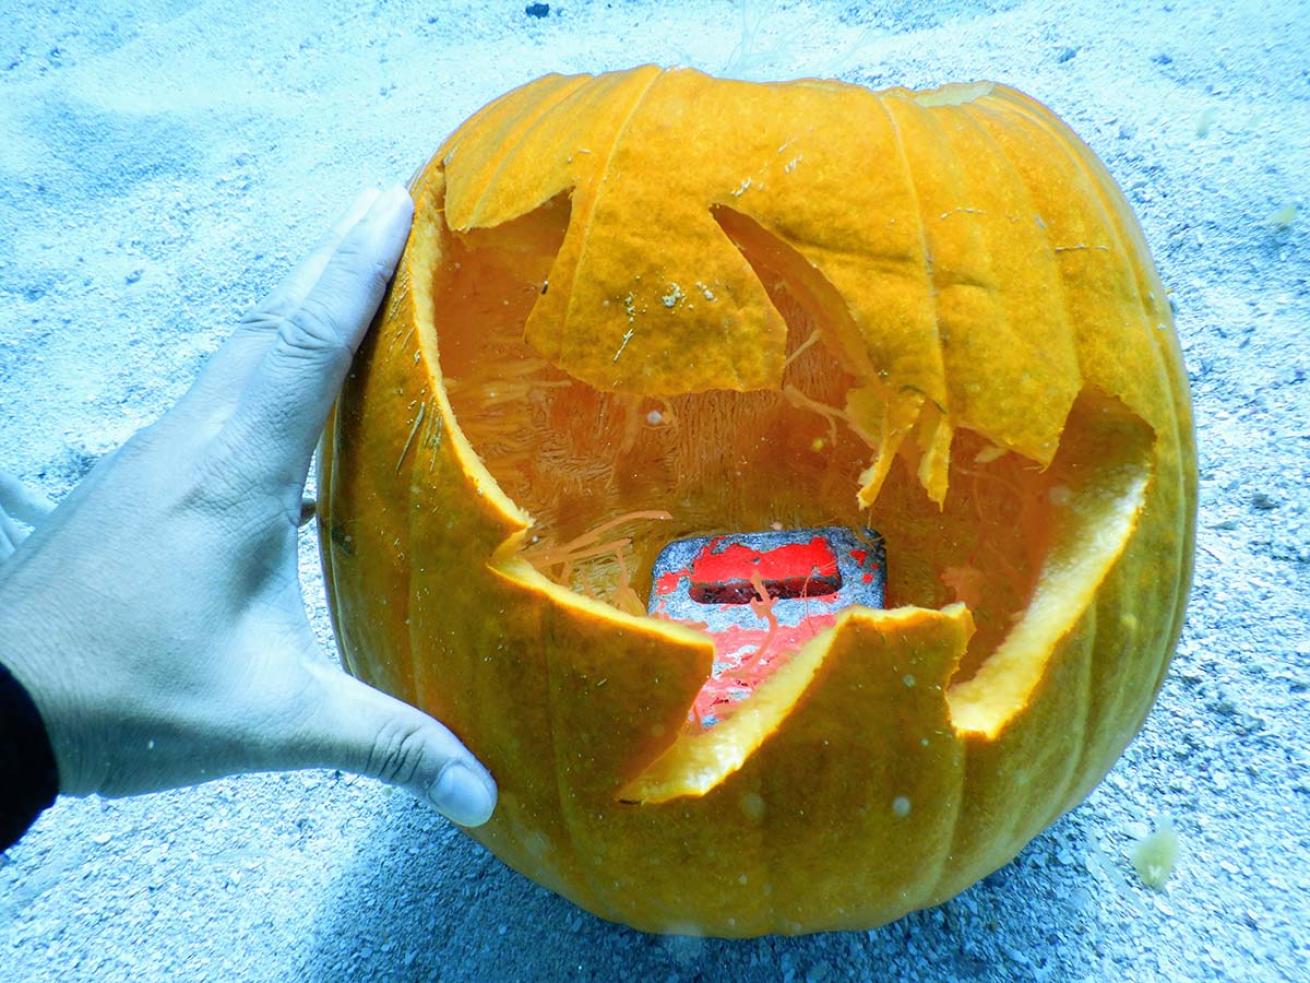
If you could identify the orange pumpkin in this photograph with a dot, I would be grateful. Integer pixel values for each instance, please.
(652, 304)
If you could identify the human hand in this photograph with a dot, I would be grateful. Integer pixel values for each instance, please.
(155, 617)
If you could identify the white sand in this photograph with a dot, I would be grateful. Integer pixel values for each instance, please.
(160, 168)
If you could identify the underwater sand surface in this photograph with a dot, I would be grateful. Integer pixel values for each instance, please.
(163, 163)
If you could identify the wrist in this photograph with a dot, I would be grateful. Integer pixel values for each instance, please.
(27, 766)
(29, 652)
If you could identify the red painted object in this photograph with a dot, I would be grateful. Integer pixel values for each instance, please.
(728, 576)
(761, 596)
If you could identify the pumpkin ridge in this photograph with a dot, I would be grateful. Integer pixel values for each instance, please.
(485, 127)
(509, 516)
(1125, 497)
(1003, 346)
(934, 458)
(1124, 233)
(951, 848)
(1108, 207)
(1060, 302)
(1097, 713)
(1092, 616)
(947, 852)
(1084, 634)
(1180, 420)
(905, 108)
(541, 113)
(980, 99)
(943, 402)
(574, 830)
(591, 202)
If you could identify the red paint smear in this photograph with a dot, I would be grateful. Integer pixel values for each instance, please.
(861, 558)
(795, 570)
(743, 574)
(726, 690)
(668, 582)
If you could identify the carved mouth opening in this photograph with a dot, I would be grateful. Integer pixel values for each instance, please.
(610, 478)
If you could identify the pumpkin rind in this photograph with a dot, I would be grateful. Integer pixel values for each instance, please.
(980, 272)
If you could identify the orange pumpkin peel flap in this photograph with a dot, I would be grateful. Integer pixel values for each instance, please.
(853, 677)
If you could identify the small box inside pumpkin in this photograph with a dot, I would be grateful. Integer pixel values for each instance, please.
(760, 596)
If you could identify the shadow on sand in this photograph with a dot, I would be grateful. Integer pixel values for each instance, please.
(424, 902)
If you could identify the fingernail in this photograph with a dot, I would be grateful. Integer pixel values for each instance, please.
(462, 796)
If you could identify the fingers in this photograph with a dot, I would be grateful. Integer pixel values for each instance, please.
(225, 375)
(360, 729)
(288, 295)
(286, 402)
(22, 503)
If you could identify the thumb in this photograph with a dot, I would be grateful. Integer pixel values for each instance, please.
(357, 728)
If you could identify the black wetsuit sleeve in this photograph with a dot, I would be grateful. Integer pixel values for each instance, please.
(29, 778)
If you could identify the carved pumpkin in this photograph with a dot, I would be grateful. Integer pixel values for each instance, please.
(652, 305)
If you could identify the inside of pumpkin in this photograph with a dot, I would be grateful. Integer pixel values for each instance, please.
(610, 478)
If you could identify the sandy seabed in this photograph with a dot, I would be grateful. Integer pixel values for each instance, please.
(163, 163)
